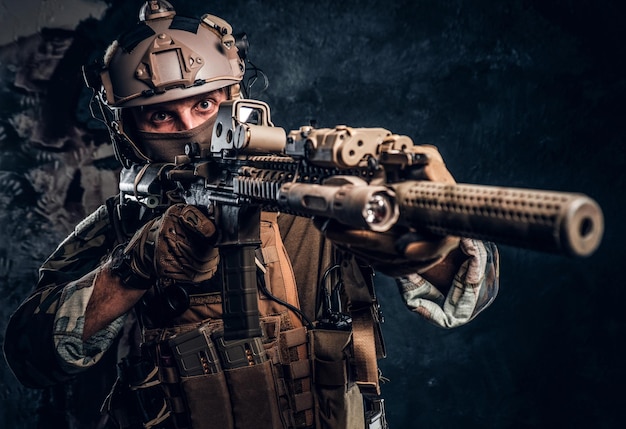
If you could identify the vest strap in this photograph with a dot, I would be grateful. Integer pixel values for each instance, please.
(362, 305)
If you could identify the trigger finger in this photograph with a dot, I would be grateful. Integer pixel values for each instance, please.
(194, 220)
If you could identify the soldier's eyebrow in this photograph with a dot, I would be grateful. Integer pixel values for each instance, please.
(166, 105)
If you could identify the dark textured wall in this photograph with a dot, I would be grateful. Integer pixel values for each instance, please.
(516, 93)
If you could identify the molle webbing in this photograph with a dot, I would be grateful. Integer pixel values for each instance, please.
(296, 374)
(292, 366)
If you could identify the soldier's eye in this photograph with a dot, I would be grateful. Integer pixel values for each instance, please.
(160, 117)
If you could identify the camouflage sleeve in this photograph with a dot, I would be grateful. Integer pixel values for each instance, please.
(474, 287)
(74, 354)
(41, 342)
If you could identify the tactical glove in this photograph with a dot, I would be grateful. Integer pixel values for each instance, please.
(401, 250)
(178, 245)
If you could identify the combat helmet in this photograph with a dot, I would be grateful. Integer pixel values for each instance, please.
(164, 57)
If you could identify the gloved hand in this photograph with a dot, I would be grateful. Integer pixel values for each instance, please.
(178, 245)
(401, 250)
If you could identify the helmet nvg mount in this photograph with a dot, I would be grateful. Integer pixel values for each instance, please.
(165, 57)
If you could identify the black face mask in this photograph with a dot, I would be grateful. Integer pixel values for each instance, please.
(163, 147)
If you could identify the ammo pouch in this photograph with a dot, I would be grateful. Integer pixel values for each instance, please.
(253, 404)
(339, 401)
(202, 392)
(237, 384)
(226, 384)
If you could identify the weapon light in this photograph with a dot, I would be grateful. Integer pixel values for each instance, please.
(349, 200)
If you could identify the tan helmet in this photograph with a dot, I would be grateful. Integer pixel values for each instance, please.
(165, 57)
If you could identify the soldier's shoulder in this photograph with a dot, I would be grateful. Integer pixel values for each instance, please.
(93, 223)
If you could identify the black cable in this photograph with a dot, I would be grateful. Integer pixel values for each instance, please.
(267, 293)
(323, 292)
(251, 80)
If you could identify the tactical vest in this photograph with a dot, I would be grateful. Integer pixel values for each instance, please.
(292, 377)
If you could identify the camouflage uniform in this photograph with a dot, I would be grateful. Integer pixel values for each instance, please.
(44, 338)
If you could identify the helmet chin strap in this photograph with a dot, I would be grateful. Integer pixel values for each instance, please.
(163, 147)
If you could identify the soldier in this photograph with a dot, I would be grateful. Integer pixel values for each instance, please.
(152, 273)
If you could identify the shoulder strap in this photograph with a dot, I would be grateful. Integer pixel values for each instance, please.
(368, 344)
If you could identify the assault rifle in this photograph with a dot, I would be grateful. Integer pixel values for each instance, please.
(362, 177)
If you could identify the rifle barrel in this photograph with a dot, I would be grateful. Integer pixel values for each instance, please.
(560, 222)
